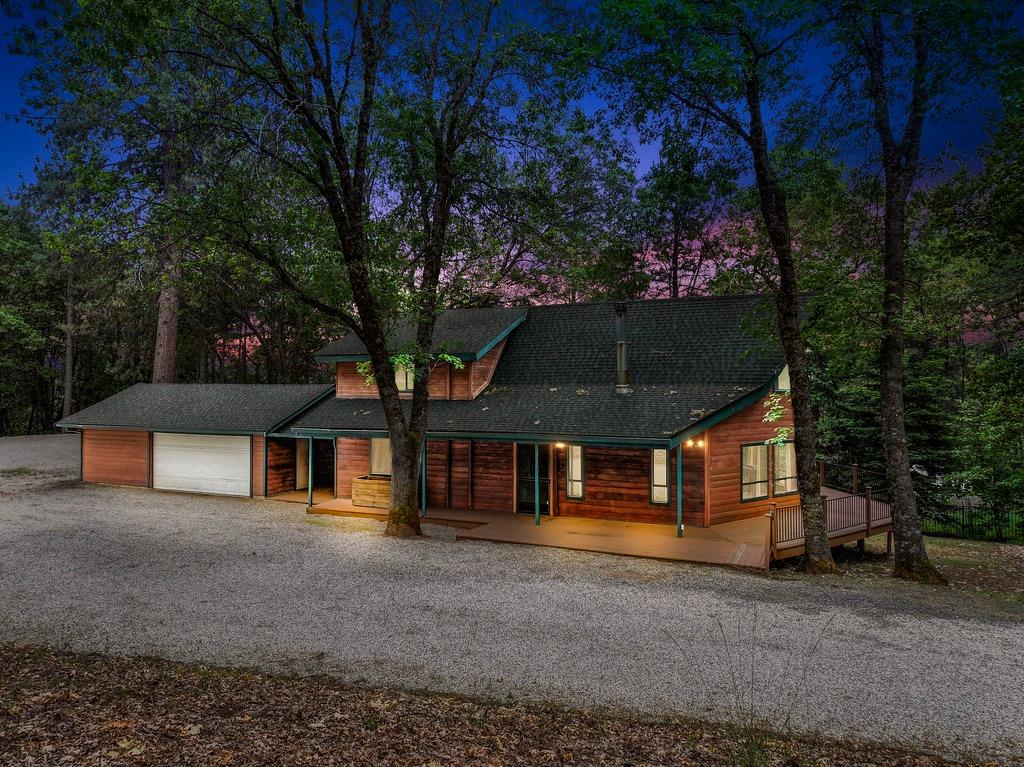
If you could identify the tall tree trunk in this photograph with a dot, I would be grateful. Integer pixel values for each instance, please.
(677, 236)
(911, 559)
(900, 156)
(69, 343)
(165, 347)
(775, 214)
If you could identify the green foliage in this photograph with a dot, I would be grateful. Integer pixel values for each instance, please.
(411, 361)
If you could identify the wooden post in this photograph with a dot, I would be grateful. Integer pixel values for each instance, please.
(309, 473)
(821, 473)
(423, 479)
(448, 472)
(769, 543)
(867, 512)
(853, 479)
(888, 542)
(469, 483)
(679, 489)
(536, 483)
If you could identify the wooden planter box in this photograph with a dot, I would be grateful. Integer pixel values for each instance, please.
(372, 491)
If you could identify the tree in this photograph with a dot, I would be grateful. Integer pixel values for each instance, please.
(683, 194)
(901, 61)
(381, 111)
(722, 65)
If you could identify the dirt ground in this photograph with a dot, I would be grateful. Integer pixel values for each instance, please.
(90, 710)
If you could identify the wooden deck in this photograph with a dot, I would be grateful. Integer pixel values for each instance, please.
(749, 543)
(736, 544)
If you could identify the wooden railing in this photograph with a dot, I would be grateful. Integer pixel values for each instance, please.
(850, 516)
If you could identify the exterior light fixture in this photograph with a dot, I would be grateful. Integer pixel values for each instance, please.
(689, 443)
(559, 445)
(700, 443)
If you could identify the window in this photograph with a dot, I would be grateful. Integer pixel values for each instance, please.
(405, 377)
(782, 382)
(380, 457)
(574, 471)
(659, 476)
(784, 469)
(754, 472)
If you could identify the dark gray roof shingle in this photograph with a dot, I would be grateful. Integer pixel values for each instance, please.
(688, 359)
(243, 408)
(465, 333)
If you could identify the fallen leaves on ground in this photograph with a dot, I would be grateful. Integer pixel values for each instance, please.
(61, 708)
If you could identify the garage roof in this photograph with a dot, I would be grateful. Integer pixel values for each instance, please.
(200, 408)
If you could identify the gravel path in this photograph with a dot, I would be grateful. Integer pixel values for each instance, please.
(259, 583)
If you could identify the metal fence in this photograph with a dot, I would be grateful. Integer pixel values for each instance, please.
(973, 522)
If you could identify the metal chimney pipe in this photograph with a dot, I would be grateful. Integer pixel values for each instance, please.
(621, 361)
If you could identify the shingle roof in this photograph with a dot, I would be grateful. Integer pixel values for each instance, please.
(215, 408)
(688, 359)
(465, 333)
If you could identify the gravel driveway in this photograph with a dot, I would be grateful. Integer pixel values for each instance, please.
(260, 583)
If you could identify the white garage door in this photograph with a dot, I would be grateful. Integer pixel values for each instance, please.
(199, 463)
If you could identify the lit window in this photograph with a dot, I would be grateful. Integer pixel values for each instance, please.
(754, 476)
(380, 457)
(405, 377)
(784, 469)
(659, 476)
(782, 382)
(574, 472)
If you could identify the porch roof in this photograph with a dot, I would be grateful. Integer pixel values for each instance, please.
(650, 414)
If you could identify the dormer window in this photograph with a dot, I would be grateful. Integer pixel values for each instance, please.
(782, 382)
(405, 377)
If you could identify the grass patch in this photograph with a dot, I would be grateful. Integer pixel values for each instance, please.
(990, 571)
(66, 708)
(21, 471)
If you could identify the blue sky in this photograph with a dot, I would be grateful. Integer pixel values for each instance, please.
(21, 147)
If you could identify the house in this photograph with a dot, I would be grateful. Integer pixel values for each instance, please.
(640, 411)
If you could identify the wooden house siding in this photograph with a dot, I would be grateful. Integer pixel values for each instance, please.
(723, 445)
(280, 465)
(257, 465)
(446, 382)
(353, 460)
(616, 485)
(492, 476)
(116, 457)
(482, 371)
(437, 474)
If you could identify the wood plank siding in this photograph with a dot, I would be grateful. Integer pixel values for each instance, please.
(116, 457)
(446, 382)
(280, 465)
(723, 445)
(353, 460)
(257, 465)
(492, 475)
(616, 485)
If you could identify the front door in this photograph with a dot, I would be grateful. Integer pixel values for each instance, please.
(526, 471)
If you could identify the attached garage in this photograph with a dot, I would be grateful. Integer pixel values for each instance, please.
(202, 463)
(195, 438)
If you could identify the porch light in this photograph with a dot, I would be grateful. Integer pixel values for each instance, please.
(559, 445)
(700, 443)
(689, 443)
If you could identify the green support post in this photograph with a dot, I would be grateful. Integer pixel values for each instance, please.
(309, 473)
(536, 483)
(679, 491)
(423, 479)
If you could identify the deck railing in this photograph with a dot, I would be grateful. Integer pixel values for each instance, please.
(844, 515)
